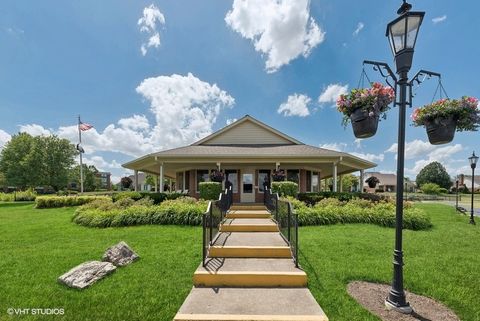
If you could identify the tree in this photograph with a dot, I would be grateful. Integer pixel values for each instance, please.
(90, 179)
(151, 180)
(126, 182)
(434, 173)
(348, 182)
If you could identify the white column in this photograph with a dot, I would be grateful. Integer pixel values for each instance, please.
(183, 182)
(334, 177)
(135, 179)
(161, 178)
(362, 178)
(156, 181)
(341, 183)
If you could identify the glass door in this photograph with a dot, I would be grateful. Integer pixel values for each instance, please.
(247, 188)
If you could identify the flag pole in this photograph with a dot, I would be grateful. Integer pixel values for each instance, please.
(81, 163)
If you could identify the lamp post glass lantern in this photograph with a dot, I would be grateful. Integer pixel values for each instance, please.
(473, 163)
(402, 33)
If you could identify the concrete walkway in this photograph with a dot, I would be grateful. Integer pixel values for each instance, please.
(250, 275)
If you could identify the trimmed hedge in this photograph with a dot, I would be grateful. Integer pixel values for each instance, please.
(23, 196)
(285, 188)
(313, 198)
(62, 201)
(182, 211)
(333, 211)
(210, 190)
(156, 197)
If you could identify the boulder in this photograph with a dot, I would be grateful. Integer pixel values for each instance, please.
(120, 254)
(86, 274)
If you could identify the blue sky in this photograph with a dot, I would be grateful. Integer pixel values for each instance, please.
(207, 62)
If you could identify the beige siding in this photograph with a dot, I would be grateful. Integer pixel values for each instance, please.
(247, 133)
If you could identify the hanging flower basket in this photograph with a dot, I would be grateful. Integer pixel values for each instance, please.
(364, 107)
(445, 116)
(278, 175)
(372, 181)
(217, 176)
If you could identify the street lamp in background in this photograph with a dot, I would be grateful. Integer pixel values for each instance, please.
(456, 193)
(473, 163)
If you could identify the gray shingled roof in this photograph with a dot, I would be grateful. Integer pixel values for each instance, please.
(249, 150)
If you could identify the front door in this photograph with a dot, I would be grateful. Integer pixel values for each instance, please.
(247, 194)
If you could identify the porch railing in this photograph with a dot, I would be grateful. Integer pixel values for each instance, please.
(213, 217)
(286, 218)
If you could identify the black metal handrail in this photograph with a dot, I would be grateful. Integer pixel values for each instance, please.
(213, 217)
(286, 219)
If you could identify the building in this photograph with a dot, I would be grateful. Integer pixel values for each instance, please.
(104, 180)
(388, 183)
(247, 151)
(466, 181)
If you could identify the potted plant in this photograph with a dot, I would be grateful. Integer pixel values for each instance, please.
(216, 176)
(278, 175)
(445, 116)
(364, 107)
(372, 181)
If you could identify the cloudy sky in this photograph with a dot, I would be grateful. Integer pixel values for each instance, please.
(156, 75)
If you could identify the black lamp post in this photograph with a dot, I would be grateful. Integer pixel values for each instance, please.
(456, 194)
(402, 34)
(473, 163)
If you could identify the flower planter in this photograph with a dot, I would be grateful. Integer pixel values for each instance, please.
(441, 130)
(372, 185)
(363, 124)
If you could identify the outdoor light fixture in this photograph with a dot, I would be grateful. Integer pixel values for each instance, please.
(473, 163)
(402, 34)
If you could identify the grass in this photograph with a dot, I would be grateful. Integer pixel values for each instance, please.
(441, 263)
(36, 246)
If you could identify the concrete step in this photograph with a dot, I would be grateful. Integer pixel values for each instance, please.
(248, 214)
(266, 304)
(249, 225)
(233, 272)
(250, 244)
(247, 206)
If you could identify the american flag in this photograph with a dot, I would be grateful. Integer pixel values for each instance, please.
(84, 126)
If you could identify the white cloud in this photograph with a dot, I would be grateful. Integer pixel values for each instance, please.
(413, 149)
(101, 164)
(370, 157)
(339, 147)
(358, 142)
(439, 19)
(359, 28)
(281, 29)
(230, 121)
(4, 138)
(34, 130)
(148, 24)
(185, 108)
(443, 155)
(296, 105)
(331, 93)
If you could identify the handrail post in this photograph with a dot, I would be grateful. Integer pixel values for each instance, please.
(288, 221)
(276, 208)
(204, 223)
(211, 224)
(296, 240)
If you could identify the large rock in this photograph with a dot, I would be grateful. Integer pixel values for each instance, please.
(86, 274)
(120, 254)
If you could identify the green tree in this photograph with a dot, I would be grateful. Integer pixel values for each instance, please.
(151, 180)
(349, 181)
(90, 179)
(434, 173)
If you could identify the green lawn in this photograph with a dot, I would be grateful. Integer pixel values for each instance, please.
(36, 246)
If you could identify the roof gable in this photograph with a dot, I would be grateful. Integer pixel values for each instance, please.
(248, 131)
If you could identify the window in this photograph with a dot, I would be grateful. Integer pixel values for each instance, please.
(315, 183)
(187, 181)
(247, 180)
(202, 176)
(293, 175)
(180, 181)
(309, 181)
(263, 175)
(231, 175)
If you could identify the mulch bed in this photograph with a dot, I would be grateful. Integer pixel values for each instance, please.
(372, 297)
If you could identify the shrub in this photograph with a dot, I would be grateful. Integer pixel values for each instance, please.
(156, 197)
(285, 188)
(431, 188)
(333, 211)
(133, 195)
(210, 190)
(62, 201)
(22, 196)
(182, 211)
(313, 198)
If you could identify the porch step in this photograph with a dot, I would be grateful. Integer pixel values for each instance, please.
(249, 225)
(242, 304)
(248, 214)
(250, 244)
(246, 206)
(253, 272)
